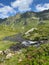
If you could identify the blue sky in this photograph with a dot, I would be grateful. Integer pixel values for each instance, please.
(12, 7)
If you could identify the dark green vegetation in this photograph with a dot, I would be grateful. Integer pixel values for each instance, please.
(29, 56)
(42, 32)
(20, 24)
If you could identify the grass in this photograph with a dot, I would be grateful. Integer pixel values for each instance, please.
(6, 44)
(31, 55)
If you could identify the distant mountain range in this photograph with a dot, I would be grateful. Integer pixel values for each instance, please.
(23, 17)
(44, 14)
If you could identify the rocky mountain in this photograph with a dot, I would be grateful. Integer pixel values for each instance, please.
(25, 16)
(44, 14)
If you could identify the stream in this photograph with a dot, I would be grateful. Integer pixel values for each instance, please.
(23, 43)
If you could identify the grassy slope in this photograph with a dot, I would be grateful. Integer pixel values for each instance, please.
(42, 31)
(5, 31)
(30, 56)
(15, 27)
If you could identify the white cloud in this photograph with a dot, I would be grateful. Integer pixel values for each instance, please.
(1, 4)
(4, 11)
(3, 16)
(22, 5)
(41, 7)
(7, 9)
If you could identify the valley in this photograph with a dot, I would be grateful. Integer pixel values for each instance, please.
(26, 39)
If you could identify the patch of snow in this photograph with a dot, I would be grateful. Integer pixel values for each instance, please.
(30, 30)
(27, 43)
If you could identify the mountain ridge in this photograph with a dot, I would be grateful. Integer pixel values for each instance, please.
(41, 12)
(27, 15)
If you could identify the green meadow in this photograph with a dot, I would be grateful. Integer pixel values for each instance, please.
(31, 55)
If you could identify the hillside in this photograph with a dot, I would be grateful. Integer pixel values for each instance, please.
(21, 23)
(18, 23)
(27, 15)
(44, 14)
(25, 38)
